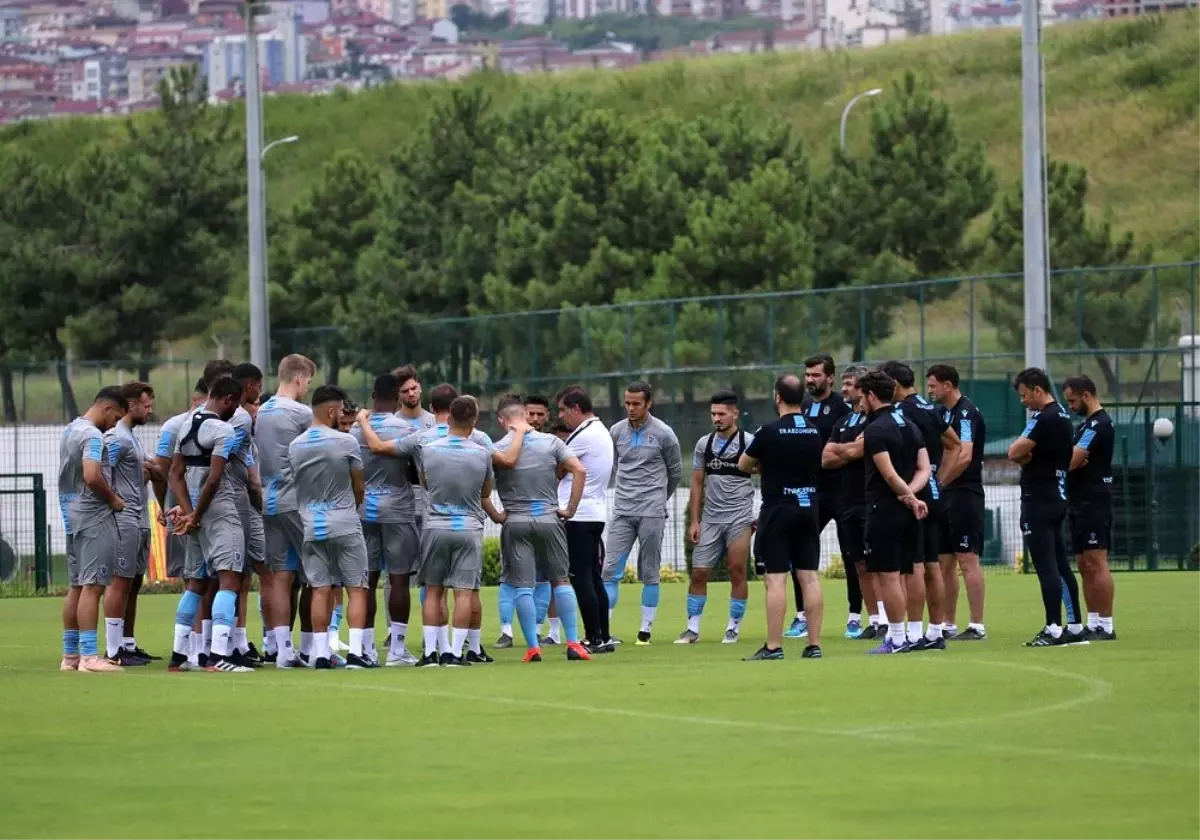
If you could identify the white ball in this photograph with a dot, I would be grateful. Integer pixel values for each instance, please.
(1163, 428)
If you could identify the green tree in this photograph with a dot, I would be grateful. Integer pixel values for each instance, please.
(1095, 309)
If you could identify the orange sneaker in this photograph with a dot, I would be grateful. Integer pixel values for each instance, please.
(533, 655)
(70, 662)
(576, 652)
(98, 665)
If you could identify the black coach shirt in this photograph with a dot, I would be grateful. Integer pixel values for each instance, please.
(788, 452)
(825, 414)
(1093, 481)
(931, 423)
(852, 477)
(1044, 478)
(968, 424)
(888, 430)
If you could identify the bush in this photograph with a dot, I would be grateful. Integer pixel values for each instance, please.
(836, 570)
(1193, 561)
(491, 561)
(666, 574)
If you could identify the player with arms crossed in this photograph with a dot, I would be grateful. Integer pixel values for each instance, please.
(727, 521)
(1089, 495)
(1044, 452)
(649, 467)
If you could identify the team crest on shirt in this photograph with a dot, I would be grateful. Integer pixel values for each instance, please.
(825, 410)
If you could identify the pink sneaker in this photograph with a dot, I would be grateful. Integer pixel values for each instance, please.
(98, 665)
(70, 662)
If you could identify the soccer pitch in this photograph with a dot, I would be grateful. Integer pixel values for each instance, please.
(984, 740)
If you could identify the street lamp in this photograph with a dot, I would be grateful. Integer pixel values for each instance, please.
(262, 228)
(851, 104)
(281, 141)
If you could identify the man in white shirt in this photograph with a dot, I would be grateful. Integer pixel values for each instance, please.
(590, 442)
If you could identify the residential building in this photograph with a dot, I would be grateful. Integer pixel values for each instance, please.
(147, 65)
(281, 59)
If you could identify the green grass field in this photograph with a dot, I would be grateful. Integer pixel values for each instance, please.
(990, 740)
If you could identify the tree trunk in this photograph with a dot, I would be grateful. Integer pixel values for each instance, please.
(334, 363)
(614, 401)
(10, 401)
(1106, 368)
(145, 352)
(70, 405)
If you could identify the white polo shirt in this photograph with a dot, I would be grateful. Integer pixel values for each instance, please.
(593, 446)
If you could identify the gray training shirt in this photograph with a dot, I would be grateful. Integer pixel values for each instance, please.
(728, 499)
(280, 421)
(238, 469)
(81, 508)
(219, 437)
(530, 489)
(389, 497)
(126, 458)
(454, 471)
(321, 460)
(168, 439)
(649, 466)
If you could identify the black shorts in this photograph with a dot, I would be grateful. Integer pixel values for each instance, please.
(962, 530)
(931, 527)
(892, 539)
(1091, 527)
(788, 539)
(851, 531)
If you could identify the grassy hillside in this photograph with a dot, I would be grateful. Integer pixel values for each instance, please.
(1122, 99)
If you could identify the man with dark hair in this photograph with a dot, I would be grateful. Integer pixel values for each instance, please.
(897, 469)
(537, 415)
(88, 505)
(130, 471)
(648, 471)
(243, 469)
(724, 526)
(207, 507)
(591, 443)
(962, 483)
(942, 447)
(1044, 452)
(1089, 495)
(823, 408)
(281, 419)
(787, 453)
(389, 520)
(251, 378)
(537, 411)
(328, 469)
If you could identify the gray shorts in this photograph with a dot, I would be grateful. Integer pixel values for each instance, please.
(194, 567)
(715, 539)
(92, 553)
(622, 531)
(394, 547)
(223, 544)
(337, 561)
(284, 534)
(451, 559)
(176, 548)
(533, 550)
(256, 540)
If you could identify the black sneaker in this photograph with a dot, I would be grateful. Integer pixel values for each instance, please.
(449, 660)
(969, 635)
(480, 658)
(1069, 638)
(177, 663)
(605, 646)
(1100, 635)
(870, 632)
(244, 660)
(428, 660)
(483, 656)
(149, 657)
(547, 641)
(924, 643)
(504, 642)
(359, 663)
(1044, 639)
(323, 663)
(643, 638)
(127, 659)
(224, 665)
(764, 653)
(253, 655)
(202, 660)
(270, 658)
(811, 652)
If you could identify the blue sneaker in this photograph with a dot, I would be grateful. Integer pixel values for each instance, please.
(854, 629)
(797, 630)
(888, 647)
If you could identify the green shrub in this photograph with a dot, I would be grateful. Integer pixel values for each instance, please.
(491, 561)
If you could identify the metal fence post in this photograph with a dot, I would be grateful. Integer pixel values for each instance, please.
(41, 547)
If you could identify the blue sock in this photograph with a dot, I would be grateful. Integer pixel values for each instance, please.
(612, 588)
(568, 611)
(650, 595)
(189, 604)
(224, 608)
(422, 596)
(70, 643)
(335, 620)
(87, 643)
(695, 605)
(508, 594)
(526, 613)
(541, 600)
(737, 609)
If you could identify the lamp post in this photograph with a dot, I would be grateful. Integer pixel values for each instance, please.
(846, 112)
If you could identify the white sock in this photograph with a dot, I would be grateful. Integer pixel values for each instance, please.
(197, 647)
(610, 612)
(460, 638)
(183, 640)
(269, 644)
(240, 642)
(914, 631)
(431, 639)
(949, 629)
(356, 642)
(306, 643)
(283, 642)
(399, 632)
(444, 639)
(369, 642)
(220, 639)
(802, 616)
(506, 630)
(854, 617)
(556, 629)
(114, 631)
(333, 637)
(1075, 628)
(934, 632)
(129, 643)
(735, 624)
(973, 626)
(883, 616)
(874, 619)
(896, 633)
(320, 646)
(206, 631)
(1054, 630)
(694, 623)
(1093, 620)
(648, 614)
(1106, 624)
(473, 642)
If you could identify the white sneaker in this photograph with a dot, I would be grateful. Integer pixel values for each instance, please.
(731, 637)
(404, 660)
